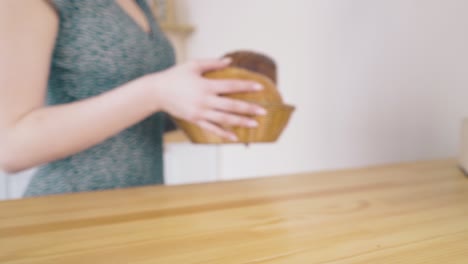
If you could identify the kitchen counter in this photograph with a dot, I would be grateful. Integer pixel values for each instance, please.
(405, 213)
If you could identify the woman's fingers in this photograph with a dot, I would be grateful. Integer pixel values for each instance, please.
(235, 106)
(234, 86)
(202, 66)
(227, 119)
(217, 130)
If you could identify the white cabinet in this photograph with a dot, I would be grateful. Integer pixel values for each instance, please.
(188, 163)
(13, 186)
(16, 184)
(3, 186)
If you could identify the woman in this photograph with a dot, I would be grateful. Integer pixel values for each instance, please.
(106, 72)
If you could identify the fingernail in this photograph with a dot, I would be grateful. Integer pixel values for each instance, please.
(252, 123)
(258, 87)
(261, 111)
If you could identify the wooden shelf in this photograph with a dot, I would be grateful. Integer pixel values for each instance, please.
(177, 28)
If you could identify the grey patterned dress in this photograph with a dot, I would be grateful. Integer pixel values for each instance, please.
(99, 47)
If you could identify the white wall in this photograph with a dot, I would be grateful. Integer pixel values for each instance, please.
(374, 81)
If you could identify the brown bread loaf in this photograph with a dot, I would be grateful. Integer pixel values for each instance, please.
(254, 61)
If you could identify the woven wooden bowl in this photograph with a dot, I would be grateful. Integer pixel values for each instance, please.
(255, 67)
(270, 127)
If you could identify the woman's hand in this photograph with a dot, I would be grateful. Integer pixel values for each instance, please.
(184, 93)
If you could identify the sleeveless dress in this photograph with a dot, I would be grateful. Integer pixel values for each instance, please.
(99, 47)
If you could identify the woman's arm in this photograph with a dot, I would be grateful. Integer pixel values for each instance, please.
(32, 134)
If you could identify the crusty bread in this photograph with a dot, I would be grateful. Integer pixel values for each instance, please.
(251, 66)
(255, 62)
(269, 94)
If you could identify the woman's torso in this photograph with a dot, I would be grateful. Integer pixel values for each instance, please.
(99, 47)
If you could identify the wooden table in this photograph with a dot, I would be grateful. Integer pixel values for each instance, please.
(407, 213)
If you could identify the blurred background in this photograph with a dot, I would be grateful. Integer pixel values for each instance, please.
(374, 82)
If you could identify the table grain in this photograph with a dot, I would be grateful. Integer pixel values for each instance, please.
(404, 213)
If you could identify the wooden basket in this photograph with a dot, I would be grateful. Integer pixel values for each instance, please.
(252, 66)
(270, 127)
